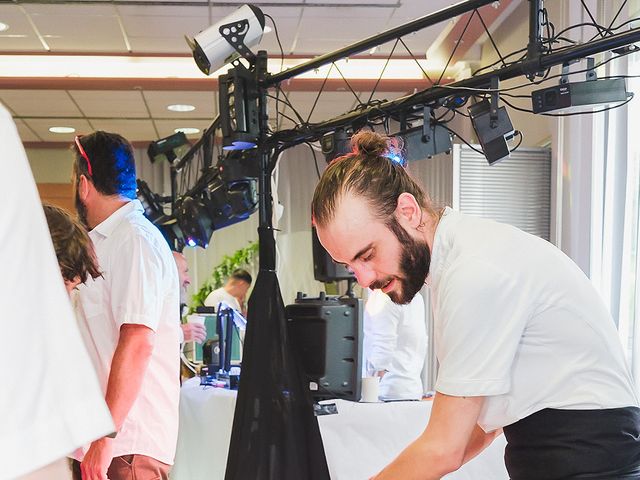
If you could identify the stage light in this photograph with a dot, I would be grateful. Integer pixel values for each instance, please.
(492, 130)
(194, 221)
(169, 148)
(426, 141)
(228, 39)
(230, 202)
(335, 144)
(239, 165)
(238, 102)
(167, 224)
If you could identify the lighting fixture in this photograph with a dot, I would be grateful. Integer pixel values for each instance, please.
(62, 129)
(169, 148)
(3, 27)
(181, 107)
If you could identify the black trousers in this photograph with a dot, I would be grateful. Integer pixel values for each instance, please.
(575, 444)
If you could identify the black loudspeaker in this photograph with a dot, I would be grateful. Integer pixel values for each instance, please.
(324, 268)
(326, 333)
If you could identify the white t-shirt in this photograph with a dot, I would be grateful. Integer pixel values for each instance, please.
(139, 286)
(518, 322)
(221, 295)
(395, 340)
(51, 402)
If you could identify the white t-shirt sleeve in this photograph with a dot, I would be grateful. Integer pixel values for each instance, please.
(136, 286)
(383, 317)
(482, 315)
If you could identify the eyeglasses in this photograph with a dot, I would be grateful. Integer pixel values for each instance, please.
(84, 154)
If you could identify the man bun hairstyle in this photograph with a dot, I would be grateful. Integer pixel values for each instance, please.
(366, 171)
(113, 168)
(370, 144)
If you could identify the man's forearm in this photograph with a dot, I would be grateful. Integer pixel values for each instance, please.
(422, 460)
(479, 441)
(128, 368)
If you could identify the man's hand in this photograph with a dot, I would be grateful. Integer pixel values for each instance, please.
(97, 460)
(194, 332)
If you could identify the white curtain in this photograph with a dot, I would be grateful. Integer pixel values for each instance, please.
(616, 201)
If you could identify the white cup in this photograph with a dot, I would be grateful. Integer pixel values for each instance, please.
(195, 318)
(370, 389)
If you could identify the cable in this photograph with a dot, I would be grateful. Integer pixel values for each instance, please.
(600, 29)
(275, 29)
(347, 82)
(315, 102)
(297, 114)
(571, 114)
(452, 132)
(495, 47)
(416, 60)
(375, 87)
(537, 82)
(456, 47)
(519, 133)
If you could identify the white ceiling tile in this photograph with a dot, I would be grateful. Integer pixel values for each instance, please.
(206, 103)
(132, 130)
(70, 31)
(39, 103)
(110, 103)
(41, 128)
(25, 133)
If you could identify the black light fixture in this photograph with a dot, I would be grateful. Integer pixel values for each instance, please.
(238, 102)
(493, 129)
(167, 224)
(194, 221)
(335, 144)
(169, 148)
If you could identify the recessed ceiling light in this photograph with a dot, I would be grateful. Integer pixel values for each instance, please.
(3, 27)
(62, 129)
(178, 107)
(187, 130)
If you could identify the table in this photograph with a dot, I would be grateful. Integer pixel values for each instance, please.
(359, 441)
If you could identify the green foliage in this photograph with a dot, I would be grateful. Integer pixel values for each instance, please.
(242, 258)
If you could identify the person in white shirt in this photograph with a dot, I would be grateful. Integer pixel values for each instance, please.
(191, 332)
(395, 345)
(51, 401)
(129, 316)
(524, 342)
(233, 293)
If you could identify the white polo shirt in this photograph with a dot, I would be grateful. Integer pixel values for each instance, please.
(51, 402)
(139, 286)
(518, 322)
(395, 340)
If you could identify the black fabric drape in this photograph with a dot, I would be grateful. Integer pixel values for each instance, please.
(275, 434)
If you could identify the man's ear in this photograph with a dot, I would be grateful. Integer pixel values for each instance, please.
(408, 211)
(84, 186)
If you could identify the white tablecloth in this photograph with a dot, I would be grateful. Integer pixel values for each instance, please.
(359, 441)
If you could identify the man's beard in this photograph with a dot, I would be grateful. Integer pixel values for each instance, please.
(415, 260)
(81, 209)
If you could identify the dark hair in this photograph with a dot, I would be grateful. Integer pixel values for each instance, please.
(241, 274)
(72, 244)
(366, 171)
(112, 163)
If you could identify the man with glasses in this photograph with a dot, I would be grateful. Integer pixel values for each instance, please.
(129, 316)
